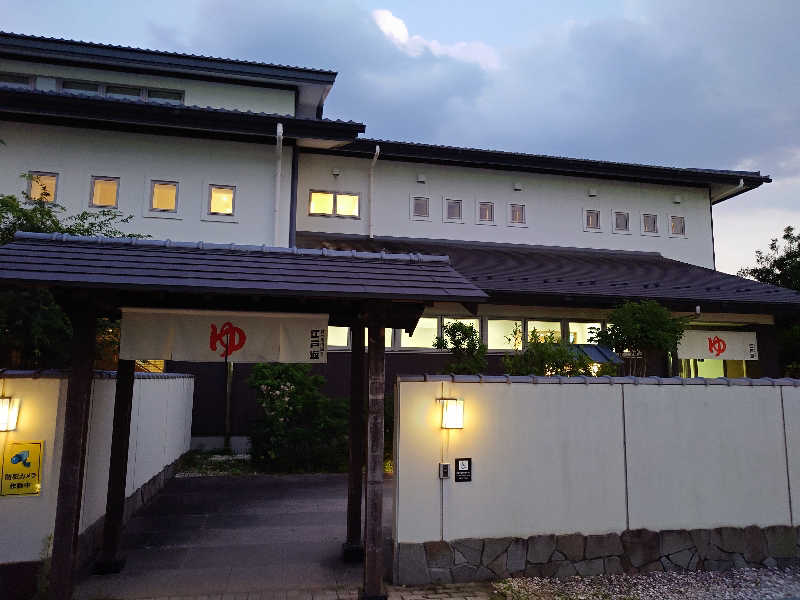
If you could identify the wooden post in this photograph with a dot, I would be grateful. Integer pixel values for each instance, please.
(73, 454)
(110, 560)
(353, 548)
(373, 526)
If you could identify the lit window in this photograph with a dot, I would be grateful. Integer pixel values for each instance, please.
(453, 210)
(424, 334)
(331, 203)
(387, 337)
(621, 221)
(337, 337)
(504, 334)
(15, 81)
(42, 186)
(81, 87)
(164, 196)
(486, 212)
(105, 191)
(592, 219)
(579, 333)
(545, 328)
(347, 205)
(476, 323)
(321, 203)
(123, 91)
(678, 226)
(166, 96)
(220, 199)
(517, 214)
(650, 223)
(420, 207)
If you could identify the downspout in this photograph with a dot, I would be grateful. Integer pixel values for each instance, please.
(371, 191)
(278, 164)
(293, 198)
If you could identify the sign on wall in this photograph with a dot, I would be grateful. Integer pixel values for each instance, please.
(22, 463)
(722, 345)
(209, 336)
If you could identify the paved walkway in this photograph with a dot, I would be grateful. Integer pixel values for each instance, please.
(258, 537)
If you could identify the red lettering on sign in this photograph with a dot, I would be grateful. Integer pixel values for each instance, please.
(229, 337)
(717, 345)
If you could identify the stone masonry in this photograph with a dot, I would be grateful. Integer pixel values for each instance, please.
(633, 551)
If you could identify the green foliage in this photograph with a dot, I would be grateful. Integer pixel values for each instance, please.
(546, 355)
(641, 329)
(464, 343)
(300, 430)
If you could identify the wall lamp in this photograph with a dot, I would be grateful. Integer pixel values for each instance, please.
(452, 413)
(9, 412)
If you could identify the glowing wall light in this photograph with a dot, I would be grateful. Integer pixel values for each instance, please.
(9, 412)
(452, 413)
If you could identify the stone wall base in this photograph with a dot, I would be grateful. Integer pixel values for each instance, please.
(633, 551)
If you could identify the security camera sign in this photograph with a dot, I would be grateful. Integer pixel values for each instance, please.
(22, 464)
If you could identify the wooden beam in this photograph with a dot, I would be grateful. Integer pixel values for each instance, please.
(73, 453)
(353, 548)
(110, 560)
(373, 526)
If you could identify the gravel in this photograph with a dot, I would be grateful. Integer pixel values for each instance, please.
(738, 584)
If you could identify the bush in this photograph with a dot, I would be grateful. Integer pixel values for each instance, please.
(545, 355)
(464, 343)
(301, 430)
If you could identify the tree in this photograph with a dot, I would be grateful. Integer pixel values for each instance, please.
(641, 329)
(464, 343)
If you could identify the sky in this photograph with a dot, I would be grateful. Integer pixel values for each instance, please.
(689, 83)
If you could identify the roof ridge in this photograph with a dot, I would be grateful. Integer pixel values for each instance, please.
(413, 257)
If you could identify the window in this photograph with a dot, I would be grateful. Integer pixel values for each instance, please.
(516, 214)
(167, 96)
(164, 196)
(81, 87)
(15, 81)
(337, 337)
(333, 204)
(476, 323)
(486, 212)
(503, 334)
(452, 209)
(622, 221)
(424, 335)
(650, 223)
(387, 337)
(420, 208)
(123, 91)
(579, 333)
(42, 186)
(545, 328)
(591, 220)
(221, 199)
(105, 192)
(678, 226)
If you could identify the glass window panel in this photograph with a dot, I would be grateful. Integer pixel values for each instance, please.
(621, 221)
(710, 368)
(104, 192)
(387, 338)
(592, 219)
(518, 213)
(421, 207)
(543, 328)
(165, 196)
(347, 205)
(17, 81)
(476, 323)
(321, 203)
(734, 368)
(123, 91)
(579, 332)
(165, 96)
(337, 337)
(424, 334)
(84, 87)
(501, 334)
(43, 186)
(454, 209)
(486, 211)
(650, 223)
(221, 201)
(678, 226)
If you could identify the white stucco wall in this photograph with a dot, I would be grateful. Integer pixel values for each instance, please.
(160, 433)
(551, 458)
(137, 159)
(197, 93)
(554, 206)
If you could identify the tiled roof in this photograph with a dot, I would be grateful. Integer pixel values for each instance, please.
(145, 265)
(509, 271)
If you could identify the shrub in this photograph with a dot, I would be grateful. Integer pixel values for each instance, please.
(464, 343)
(545, 355)
(301, 430)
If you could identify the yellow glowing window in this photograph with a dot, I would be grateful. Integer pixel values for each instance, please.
(332, 203)
(424, 334)
(43, 186)
(105, 191)
(544, 329)
(476, 323)
(321, 203)
(347, 205)
(580, 333)
(221, 199)
(337, 337)
(504, 334)
(387, 338)
(164, 196)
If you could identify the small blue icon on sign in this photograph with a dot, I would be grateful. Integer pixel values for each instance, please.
(21, 457)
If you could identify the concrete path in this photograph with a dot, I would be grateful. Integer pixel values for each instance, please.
(256, 537)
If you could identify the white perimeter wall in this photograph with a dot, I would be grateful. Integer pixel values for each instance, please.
(161, 421)
(550, 458)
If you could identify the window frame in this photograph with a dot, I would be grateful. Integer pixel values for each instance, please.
(677, 235)
(478, 220)
(91, 191)
(30, 85)
(335, 195)
(47, 174)
(614, 229)
(657, 232)
(585, 214)
(216, 215)
(164, 211)
(146, 96)
(509, 212)
(446, 200)
(102, 91)
(411, 199)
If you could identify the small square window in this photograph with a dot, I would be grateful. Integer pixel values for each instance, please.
(453, 209)
(592, 220)
(516, 214)
(622, 221)
(221, 199)
(105, 192)
(650, 223)
(166, 96)
(320, 203)
(164, 196)
(15, 81)
(347, 205)
(42, 186)
(678, 226)
(486, 212)
(123, 91)
(420, 207)
(81, 87)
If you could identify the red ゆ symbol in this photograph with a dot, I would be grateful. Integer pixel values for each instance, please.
(229, 337)
(717, 345)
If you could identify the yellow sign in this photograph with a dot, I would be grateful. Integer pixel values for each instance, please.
(22, 463)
